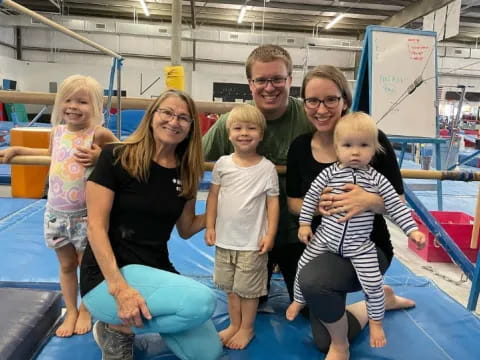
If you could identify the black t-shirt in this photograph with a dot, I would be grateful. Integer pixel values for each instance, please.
(141, 220)
(302, 169)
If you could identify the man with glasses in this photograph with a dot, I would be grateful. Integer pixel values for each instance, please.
(269, 74)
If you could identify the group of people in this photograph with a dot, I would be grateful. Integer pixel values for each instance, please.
(142, 187)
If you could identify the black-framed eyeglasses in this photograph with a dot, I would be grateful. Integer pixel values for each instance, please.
(277, 81)
(330, 102)
(168, 115)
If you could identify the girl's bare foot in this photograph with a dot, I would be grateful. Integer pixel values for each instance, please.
(394, 302)
(226, 334)
(377, 335)
(293, 310)
(338, 353)
(68, 325)
(83, 324)
(241, 339)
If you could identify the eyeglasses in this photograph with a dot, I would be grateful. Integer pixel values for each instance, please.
(330, 102)
(168, 115)
(275, 81)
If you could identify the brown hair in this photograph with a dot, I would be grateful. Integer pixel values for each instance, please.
(359, 123)
(268, 53)
(334, 74)
(137, 151)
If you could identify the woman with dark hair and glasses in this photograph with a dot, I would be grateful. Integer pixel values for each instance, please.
(327, 278)
(139, 190)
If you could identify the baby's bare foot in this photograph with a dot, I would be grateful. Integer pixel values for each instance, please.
(68, 325)
(241, 339)
(377, 335)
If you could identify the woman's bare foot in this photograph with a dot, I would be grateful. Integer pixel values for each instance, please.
(377, 335)
(338, 353)
(83, 324)
(394, 302)
(293, 310)
(226, 334)
(241, 339)
(68, 325)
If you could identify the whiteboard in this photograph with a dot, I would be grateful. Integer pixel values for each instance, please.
(397, 59)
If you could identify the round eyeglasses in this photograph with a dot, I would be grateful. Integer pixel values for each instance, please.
(330, 102)
(276, 81)
(168, 115)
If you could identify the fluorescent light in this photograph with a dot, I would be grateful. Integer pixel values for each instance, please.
(144, 7)
(334, 21)
(243, 11)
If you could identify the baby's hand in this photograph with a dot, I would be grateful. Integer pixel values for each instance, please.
(418, 238)
(305, 233)
(87, 157)
(210, 237)
(7, 154)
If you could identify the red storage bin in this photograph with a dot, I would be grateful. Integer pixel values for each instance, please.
(3, 114)
(458, 225)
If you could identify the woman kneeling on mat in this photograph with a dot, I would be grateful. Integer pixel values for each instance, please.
(138, 191)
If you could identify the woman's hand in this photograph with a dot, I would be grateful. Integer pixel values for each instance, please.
(352, 202)
(131, 307)
(87, 157)
(305, 233)
(7, 154)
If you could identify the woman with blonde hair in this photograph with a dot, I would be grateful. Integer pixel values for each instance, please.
(139, 190)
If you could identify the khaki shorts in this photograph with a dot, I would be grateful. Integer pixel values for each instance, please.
(242, 272)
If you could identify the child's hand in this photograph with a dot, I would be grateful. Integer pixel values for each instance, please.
(87, 157)
(305, 233)
(418, 238)
(210, 237)
(265, 245)
(7, 154)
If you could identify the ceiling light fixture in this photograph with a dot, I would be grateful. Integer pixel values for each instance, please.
(243, 11)
(144, 7)
(334, 21)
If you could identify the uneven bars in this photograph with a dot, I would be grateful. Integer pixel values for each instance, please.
(59, 27)
(41, 98)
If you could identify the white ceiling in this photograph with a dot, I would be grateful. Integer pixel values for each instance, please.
(305, 16)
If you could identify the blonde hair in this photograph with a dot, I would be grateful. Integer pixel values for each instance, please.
(246, 113)
(268, 53)
(357, 123)
(70, 86)
(334, 74)
(136, 152)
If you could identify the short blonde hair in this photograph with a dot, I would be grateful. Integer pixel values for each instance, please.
(246, 113)
(358, 123)
(268, 53)
(70, 86)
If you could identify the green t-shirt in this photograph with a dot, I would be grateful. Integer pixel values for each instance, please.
(277, 138)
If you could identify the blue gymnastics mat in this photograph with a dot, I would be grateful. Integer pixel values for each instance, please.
(438, 328)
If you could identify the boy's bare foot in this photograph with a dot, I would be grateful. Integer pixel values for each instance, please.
(394, 302)
(227, 334)
(377, 335)
(83, 324)
(338, 353)
(241, 339)
(68, 325)
(293, 310)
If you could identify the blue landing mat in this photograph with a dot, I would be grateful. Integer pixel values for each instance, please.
(438, 328)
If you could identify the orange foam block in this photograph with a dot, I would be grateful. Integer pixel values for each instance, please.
(29, 180)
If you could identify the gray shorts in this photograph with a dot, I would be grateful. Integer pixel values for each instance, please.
(241, 272)
(61, 229)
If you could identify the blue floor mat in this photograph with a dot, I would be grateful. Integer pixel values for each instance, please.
(438, 328)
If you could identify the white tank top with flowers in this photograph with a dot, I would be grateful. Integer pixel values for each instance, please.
(67, 178)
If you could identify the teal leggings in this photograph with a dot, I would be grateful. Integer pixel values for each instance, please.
(180, 307)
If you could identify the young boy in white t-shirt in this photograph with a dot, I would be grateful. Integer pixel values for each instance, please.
(241, 220)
